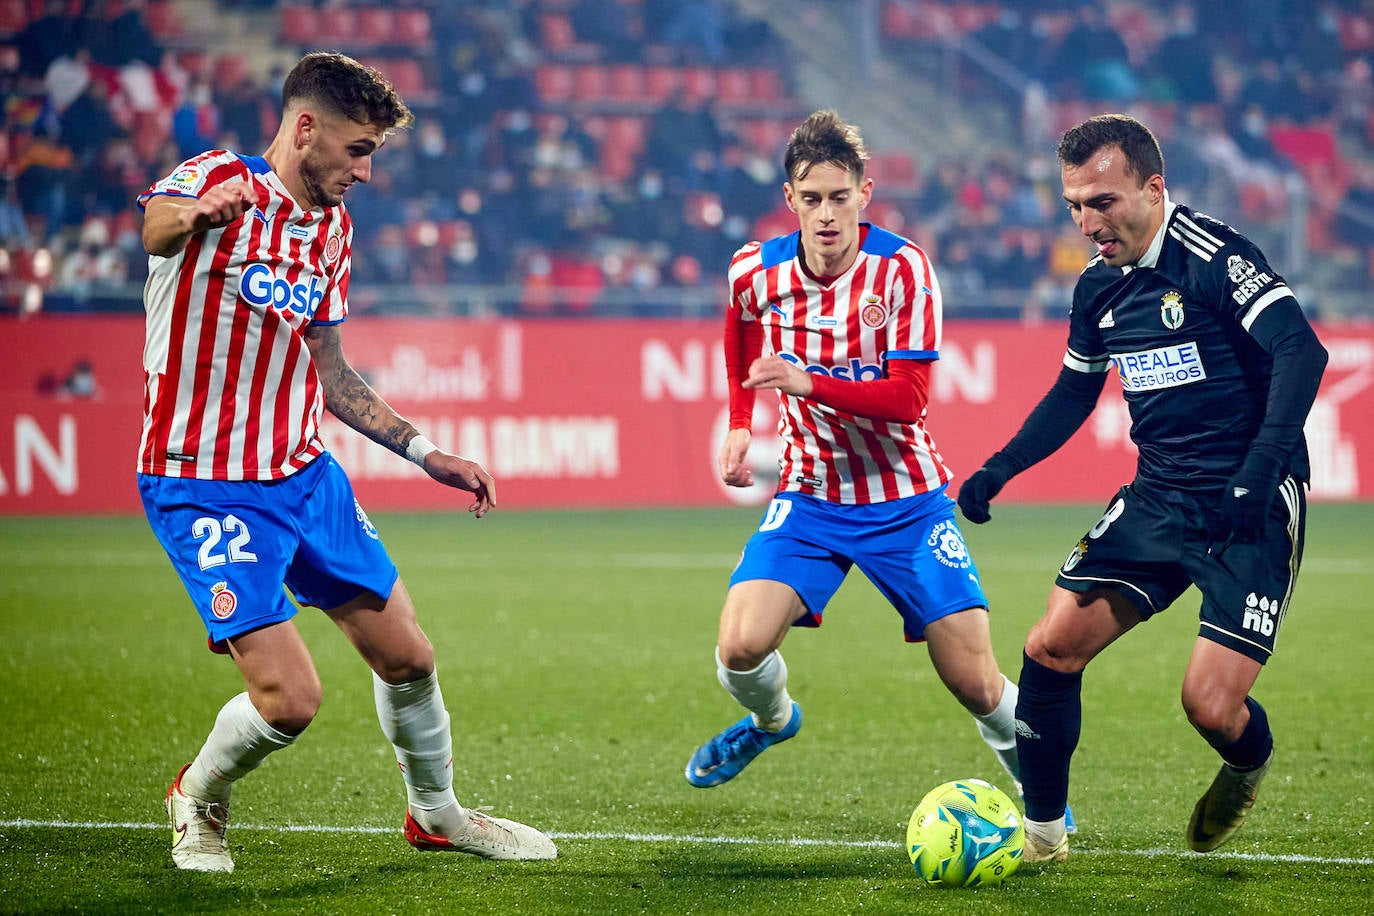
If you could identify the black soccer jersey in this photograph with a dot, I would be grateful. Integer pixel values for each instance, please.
(1176, 327)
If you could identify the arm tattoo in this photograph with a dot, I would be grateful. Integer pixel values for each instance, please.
(350, 398)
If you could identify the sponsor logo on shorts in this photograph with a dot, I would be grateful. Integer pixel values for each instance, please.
(1163, 367)
(1261, 614)
(223, 601)
(368, 528)
(947, 544)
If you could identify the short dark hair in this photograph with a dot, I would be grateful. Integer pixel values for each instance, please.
(346, 87)
(1143, 157)
(824, 137)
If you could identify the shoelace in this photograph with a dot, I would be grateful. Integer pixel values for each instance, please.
(737, 736)
(482, 814)
(210, 832)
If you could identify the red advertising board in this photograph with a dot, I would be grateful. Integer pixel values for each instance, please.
(593, 413)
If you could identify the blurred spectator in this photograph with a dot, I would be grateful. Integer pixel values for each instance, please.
(1182, 62)
(1093, 60)
(46, 38)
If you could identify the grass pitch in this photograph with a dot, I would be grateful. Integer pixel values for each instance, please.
(575, 652)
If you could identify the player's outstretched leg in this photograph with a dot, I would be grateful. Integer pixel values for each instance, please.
(482, 835)
(198, 826)
(1222, 808)
(721, 759)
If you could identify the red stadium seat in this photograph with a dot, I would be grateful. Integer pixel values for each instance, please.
(554, 82)
(230, 69)
(297, 26)
(765, 85)
(732, 86)
(556, 32)
(412, 27)
(896, 171)
(591, 83)
(14, 15)
(628, 84)
(376, 25)
(660, 83)
(162, 18)
(698, 84)
(335, 27)
(407, 77)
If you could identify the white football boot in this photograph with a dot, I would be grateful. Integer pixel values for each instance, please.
(198, 827)
(486, 836)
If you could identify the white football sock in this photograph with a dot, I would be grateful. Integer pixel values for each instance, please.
(1045, 833)
(998, 729)
(240, 740)
(414, 720)
(762, 690)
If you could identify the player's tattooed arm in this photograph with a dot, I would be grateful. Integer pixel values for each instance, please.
(349, 397)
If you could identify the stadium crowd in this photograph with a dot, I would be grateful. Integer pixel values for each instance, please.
(607, 156)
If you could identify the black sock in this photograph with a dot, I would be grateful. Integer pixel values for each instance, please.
(1049, 717)
(1252, 748)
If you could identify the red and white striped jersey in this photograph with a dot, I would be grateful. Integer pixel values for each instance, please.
(886, 306)
(231, 392)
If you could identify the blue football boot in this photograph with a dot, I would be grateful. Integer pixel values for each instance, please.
(721, 759)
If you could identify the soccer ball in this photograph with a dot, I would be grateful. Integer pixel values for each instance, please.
(965, 833)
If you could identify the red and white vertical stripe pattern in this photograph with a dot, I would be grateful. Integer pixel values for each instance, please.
(882, 306)
(231, 392)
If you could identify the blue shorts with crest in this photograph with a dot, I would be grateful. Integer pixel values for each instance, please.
(911, 549)
(236, 543)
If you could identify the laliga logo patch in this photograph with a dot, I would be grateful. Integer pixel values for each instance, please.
(1171, 309)
(184, 178)
(948, 545)
(224, 601)
(873, 313)
(332, 246)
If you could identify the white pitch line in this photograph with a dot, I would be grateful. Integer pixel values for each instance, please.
(688, 838)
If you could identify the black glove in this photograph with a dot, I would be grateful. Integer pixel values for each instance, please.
(1249, 493)
(981, 486)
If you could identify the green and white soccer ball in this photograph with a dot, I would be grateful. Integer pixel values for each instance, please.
(965, 833)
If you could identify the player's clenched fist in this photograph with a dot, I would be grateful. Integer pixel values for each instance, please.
(776, 372)
(221, 205)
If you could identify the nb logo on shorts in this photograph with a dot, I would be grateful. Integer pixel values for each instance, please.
(948, 545)
(1261, 614)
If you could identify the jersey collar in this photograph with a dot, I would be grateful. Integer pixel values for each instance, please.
(1151, 256)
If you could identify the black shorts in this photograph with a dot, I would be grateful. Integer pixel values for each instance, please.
(1150, 547)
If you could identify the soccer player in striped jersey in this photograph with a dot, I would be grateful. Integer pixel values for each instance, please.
(249, 268)
(843, 320)
(1219, 368)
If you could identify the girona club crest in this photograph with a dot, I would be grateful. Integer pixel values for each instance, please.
(873, 313)
(223, 602)
(332, 246)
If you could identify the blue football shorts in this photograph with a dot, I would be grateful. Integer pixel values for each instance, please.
(1150, 546)
(236, 543)
(911, 549)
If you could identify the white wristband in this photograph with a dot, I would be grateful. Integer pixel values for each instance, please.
(418, 448)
